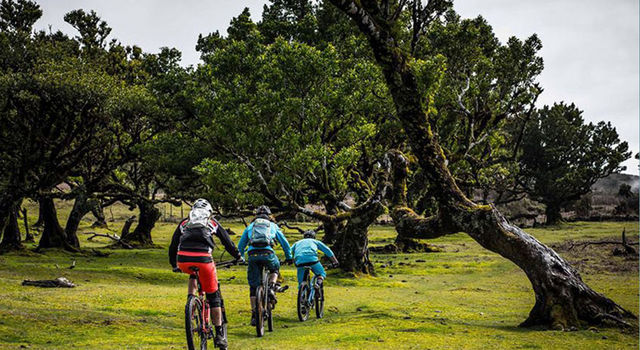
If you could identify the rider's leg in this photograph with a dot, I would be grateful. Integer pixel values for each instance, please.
(300, 274)
(215, 301)
(318, 270)
(192, 289)
(253, 276)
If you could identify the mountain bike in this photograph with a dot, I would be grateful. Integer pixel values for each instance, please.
(264, 304)
(310, 296)
(198, 325)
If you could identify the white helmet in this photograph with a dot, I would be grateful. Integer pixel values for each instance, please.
(200, 212)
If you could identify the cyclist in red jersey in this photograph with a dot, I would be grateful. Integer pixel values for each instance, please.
(191, 246)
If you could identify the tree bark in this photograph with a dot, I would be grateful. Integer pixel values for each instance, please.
(53, 236)
(352, 242)
(141, 235)
(81, 206)
(563, 300)
(408, 224)
(40, 221)
(330, 227)
(98, 212)
(10, 238)
(11, 234)
(552, 212)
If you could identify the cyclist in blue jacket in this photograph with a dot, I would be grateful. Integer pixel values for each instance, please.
(305, 253)
(260, 237)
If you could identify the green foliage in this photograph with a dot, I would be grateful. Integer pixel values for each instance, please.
(562, 156)
(300, 118)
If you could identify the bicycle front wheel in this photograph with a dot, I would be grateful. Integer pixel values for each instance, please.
(303, 296)
(260, 310)
(196, 338)
(319, 302)
(269, 316)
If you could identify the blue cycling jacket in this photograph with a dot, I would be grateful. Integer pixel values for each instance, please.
(306, 250)
(276, 233)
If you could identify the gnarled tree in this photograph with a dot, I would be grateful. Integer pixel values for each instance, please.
(563, 300)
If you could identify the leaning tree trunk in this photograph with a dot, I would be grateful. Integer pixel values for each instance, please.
(53, 236)
(141, 235)
(352, 242)
(563, 300)
(81, 206)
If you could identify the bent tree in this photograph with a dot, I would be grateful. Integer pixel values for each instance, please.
(563, 300)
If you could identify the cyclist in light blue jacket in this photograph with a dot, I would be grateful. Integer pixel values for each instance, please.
(258, 240)
(305, 253)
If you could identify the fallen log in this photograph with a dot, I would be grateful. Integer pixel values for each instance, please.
(59, 282)
(114, 237)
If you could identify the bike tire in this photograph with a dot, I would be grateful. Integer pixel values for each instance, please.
(260, 310)
(270, 320)
(196, 340)
(303, 309)
(319, 299)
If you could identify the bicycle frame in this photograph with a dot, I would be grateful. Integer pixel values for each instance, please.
(206, 309)
(312, 285)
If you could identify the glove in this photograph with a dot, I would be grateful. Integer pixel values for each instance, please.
(176, 269)
(288, 261)
(335, 264)
(240, 260)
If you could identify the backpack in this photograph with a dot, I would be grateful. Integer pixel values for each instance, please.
(261, 234)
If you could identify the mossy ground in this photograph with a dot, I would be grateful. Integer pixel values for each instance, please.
(462, 298)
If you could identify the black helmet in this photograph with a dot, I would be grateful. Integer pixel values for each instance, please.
(263, 210)
(309, 234)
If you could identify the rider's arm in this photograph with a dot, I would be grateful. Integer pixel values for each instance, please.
(326, 250)
(173, 247)
(244, 239)
(228, 244)
(284, 243)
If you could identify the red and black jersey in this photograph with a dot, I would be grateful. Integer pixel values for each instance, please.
(199, 239)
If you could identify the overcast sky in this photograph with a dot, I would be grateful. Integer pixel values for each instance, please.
(590, 47)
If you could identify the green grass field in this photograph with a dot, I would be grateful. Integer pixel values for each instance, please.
(461, 298)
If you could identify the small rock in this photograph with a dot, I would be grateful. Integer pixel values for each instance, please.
(407, 317)
(420, 261)
(383, 266)
(482, 314)
(285, 326)
(604, 337)
(404, 281)
(594, 329)
(359, 309)
(438, 311)
(390, 276)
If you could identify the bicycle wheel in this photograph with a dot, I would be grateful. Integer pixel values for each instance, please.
(260, 310)
(269, 318)
(319, 302)
(196, 338)
(303, 295)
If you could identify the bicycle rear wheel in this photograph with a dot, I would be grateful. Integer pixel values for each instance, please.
(260, 310)
(196, 338)
(303, 296)
(319, 296)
